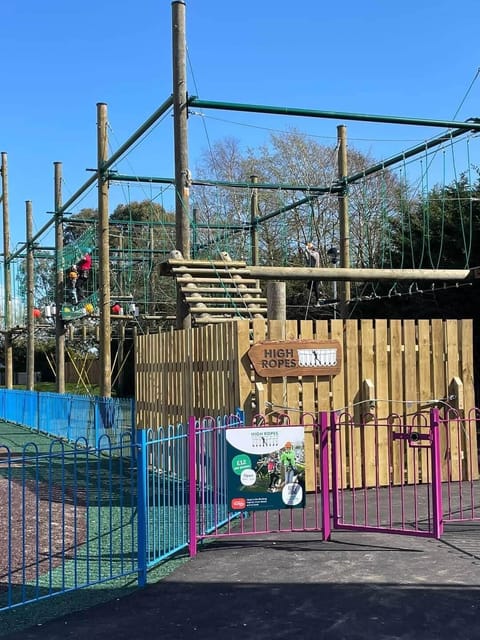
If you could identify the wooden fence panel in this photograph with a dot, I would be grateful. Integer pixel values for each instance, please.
(388, 367)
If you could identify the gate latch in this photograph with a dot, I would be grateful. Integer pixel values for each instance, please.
(414, 438)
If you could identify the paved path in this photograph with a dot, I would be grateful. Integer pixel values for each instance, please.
(358, 587)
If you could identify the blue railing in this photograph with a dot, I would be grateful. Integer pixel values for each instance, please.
(108, 504)
(69, 518)
(69, 416)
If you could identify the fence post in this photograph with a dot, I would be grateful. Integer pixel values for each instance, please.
(96, 411)
(192, 487)
(37, 412)
(437, 506)
(324, 476)
(141, 441)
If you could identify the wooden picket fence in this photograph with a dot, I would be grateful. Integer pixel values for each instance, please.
(389, 367)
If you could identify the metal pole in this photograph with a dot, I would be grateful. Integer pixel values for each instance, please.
(104, 255)
(7, 276)
(472, 124)
(343, 216)
(182, 173)
(30, 300)
(253, 221)
(59, 282)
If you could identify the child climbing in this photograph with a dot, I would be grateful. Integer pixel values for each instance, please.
(272, 469)
(83, 266)
(72, 283)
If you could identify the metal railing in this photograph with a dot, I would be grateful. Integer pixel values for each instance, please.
(69, 416)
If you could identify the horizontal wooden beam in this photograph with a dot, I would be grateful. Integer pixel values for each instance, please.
(355, 275)
(327, 273)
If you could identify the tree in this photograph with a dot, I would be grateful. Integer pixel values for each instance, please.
(440, 231)
(142, 234)
(293, 158)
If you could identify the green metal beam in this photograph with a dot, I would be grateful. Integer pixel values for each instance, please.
(221, 183)
(288, 207)
(113, 158)
(428, 144)
(469, 125)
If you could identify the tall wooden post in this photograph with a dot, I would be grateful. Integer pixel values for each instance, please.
(182, 173)
(276, 300)
(30, 299)
(104, 255)
(343, 214)
(59, 282)
(253, 221)
(7, 276)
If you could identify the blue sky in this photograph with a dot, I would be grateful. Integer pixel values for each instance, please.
(415, 58)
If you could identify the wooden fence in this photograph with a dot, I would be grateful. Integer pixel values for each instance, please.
(389, 367)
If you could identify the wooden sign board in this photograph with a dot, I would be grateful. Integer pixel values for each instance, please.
(278, 358)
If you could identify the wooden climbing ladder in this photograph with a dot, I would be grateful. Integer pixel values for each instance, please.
(217, 291)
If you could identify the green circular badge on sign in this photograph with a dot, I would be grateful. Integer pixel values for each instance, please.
(240, 463)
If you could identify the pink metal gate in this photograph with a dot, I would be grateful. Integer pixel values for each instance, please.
(233, 491)
(386, 474)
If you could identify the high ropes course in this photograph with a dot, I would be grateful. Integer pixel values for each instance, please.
(220, 239)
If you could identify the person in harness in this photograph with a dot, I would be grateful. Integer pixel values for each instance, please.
(288, 461)
(313, 260)
(83, 267)
(273, 471)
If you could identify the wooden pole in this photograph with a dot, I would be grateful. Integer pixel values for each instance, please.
(253, 221)
(7, 276)
(356, 275)
(30, 300)
(104, 255)
(276, 300)
(59, 282)
(343, 215)
(342, 275)
(182, 173)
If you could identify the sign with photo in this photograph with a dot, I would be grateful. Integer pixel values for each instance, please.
(266, 467)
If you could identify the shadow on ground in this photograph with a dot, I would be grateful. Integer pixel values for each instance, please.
(359, 587)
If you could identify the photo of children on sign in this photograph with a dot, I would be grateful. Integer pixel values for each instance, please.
(266, 467)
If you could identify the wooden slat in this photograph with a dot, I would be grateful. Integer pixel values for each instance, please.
(307, 384)
(454, 455)
(232, 281)
(425, 390)
(228, 310)
(381, 403)
(230, 291)
(339, 399)
(370, 462)
(173, 263)
(220, 271)
(397, 397)
(352, 434)
(277, 386)
(242, 300)
(411, 392)
(221, 319)
(466, 345)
